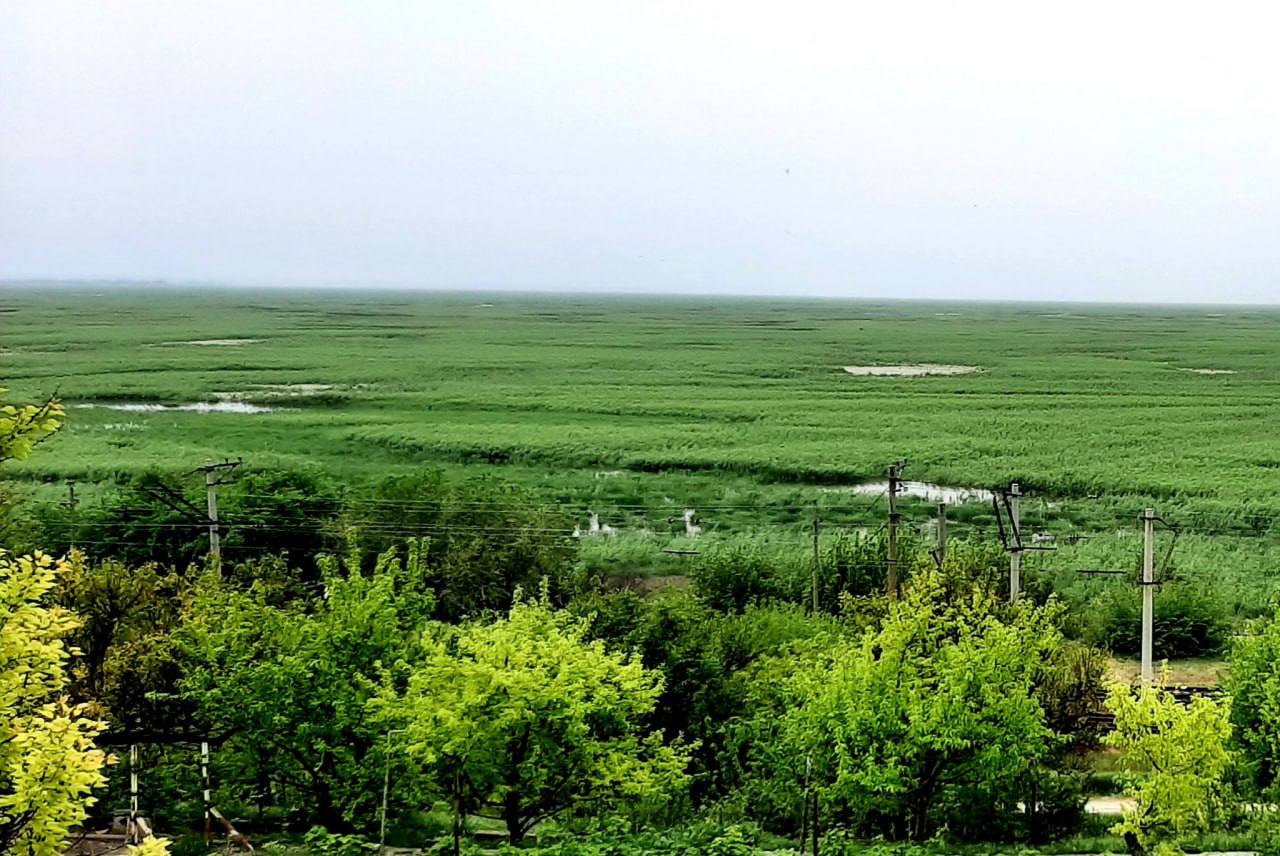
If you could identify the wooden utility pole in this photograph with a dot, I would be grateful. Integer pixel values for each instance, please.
(1148, 591)
(817, 560)
(1015, 551)
(895, 478)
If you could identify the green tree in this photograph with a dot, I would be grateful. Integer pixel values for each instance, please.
(1176, 759)
(22, 427)
(483, 538)
(156, 517)
(526, 717)
(703, 655)
(1254, 683)
(48, 763)
(291, 683)
(125, 659)
(934, 707)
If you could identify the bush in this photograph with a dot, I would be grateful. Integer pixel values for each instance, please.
(321, 842)
(484, 539)
(729, 576)
(611, 838)
(1190, 621)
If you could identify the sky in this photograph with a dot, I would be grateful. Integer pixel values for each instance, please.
(1069, 151)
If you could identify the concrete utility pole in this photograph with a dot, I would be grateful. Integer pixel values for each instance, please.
(941, 551)
(386, 793)
(817, 561)
(211, 490)
(1148, 592)
(213, 478)
(1015, 552)
(895, 479)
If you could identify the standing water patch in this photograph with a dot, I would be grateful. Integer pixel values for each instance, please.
(191, 407)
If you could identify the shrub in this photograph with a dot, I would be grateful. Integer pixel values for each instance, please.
(1190, 621)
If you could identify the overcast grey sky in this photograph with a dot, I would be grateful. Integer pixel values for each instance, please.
(1116, 151)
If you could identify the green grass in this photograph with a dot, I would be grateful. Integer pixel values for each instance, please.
(639, 407)
(1093, 401)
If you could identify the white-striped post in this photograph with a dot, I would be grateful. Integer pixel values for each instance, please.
(205, 792)
(131, 833)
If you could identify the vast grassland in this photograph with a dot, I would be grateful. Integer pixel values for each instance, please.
(638, 407)
(1069, 400)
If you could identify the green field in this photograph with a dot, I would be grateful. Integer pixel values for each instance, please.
(640, 407)
(1070, 400)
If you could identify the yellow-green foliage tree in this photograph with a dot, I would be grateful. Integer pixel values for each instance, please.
(900, 722)
(527, 717)
(48, 763)
(1176, 759)
(23, 426)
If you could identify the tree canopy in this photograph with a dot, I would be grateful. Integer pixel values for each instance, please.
(526, 717)
(893, 723)
(48, 763)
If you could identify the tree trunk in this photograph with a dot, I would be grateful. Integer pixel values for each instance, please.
(920, 803)
(457, 829)
(457, 813)
(1033, 811)
(514, 817)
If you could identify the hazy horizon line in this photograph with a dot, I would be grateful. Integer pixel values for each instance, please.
(551, 290)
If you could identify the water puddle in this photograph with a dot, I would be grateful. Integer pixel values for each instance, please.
(926, 491)
(192, 407)
(276, 390)
(917, 370)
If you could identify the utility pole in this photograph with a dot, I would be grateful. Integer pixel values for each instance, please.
(1148, 591)
(817, 561)
(72, 502)
(386, 793)
(212, 478)
(895, 478)
(940, 553)
(211, 490)
(1015, 552)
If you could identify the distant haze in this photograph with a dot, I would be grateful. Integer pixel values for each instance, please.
(1081, 151)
